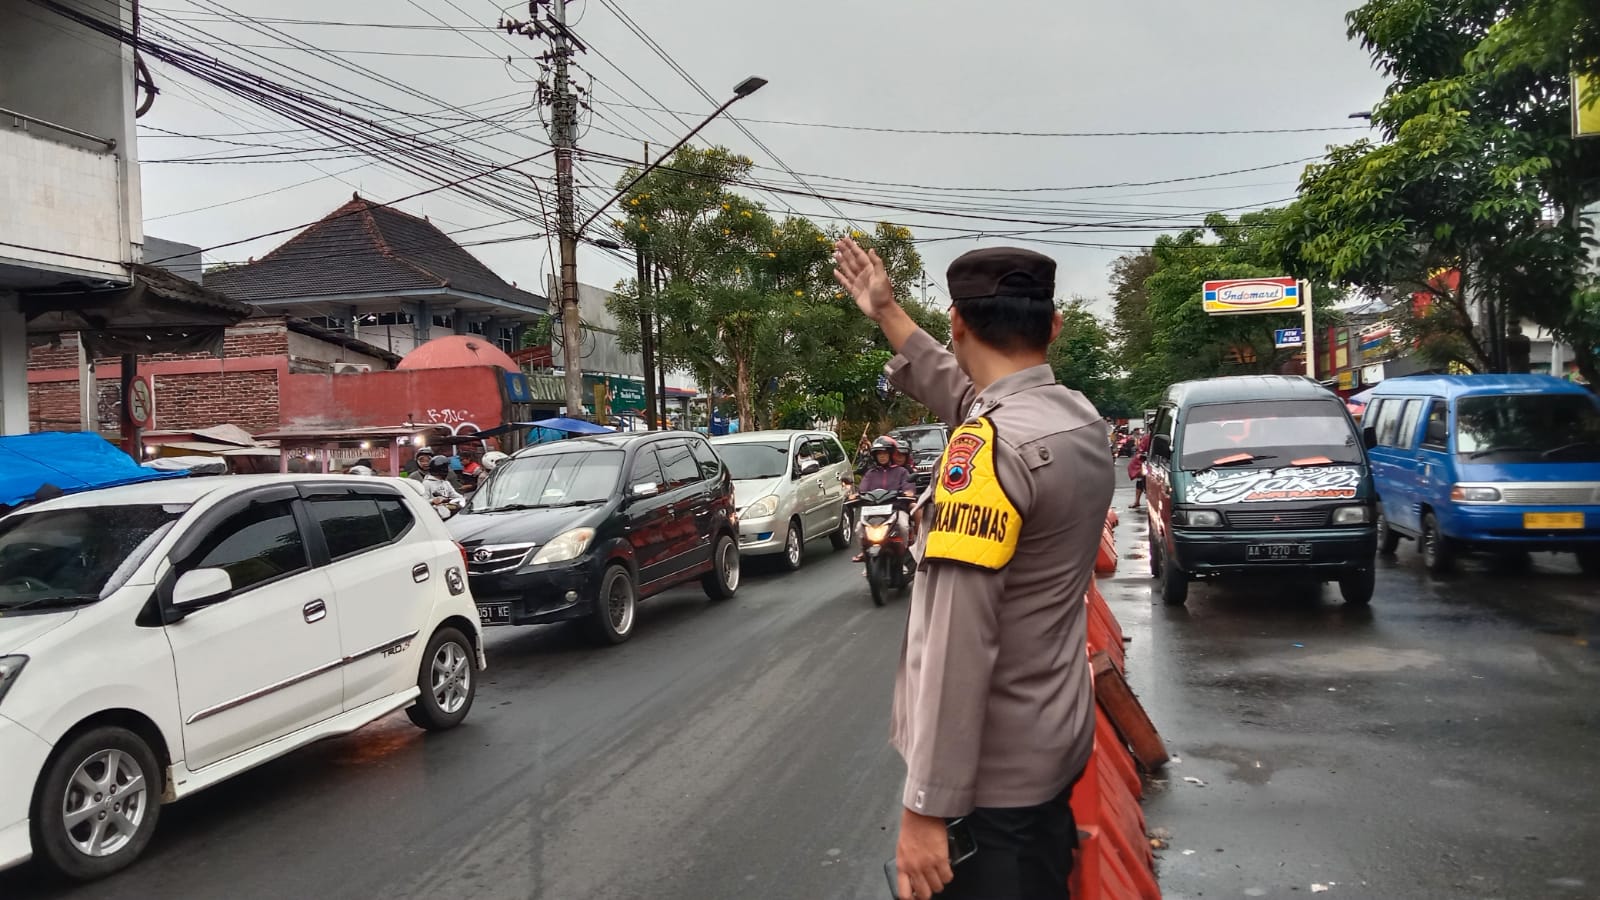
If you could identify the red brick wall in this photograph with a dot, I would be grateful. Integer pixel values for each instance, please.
(248, 399)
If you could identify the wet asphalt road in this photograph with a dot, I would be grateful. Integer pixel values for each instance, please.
(726, 751)
(1441, 744)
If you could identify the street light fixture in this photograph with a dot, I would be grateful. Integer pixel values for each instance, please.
(740, 91)
(570, 322)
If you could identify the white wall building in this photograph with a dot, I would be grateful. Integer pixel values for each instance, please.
(69, 172)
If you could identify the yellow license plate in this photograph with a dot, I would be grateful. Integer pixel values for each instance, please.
(1552, 520)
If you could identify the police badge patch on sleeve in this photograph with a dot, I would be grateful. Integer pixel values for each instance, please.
(973, 520)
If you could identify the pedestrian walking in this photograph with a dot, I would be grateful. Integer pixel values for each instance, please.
(1136, 470)
(993, 711)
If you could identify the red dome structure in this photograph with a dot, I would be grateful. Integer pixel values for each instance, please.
(456, 350)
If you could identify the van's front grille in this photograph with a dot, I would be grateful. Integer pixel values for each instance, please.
(487, 559)
(1573, 493)
(1296, 518)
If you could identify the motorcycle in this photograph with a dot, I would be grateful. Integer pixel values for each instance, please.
(890, 565)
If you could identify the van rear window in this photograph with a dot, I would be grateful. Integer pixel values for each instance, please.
(1268, 434)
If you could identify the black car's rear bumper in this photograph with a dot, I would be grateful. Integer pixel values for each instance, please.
(553, 593)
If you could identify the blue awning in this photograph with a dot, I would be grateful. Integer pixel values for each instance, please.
(71, 461)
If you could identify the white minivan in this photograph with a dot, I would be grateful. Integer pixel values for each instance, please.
(789, 487)
(158, 638)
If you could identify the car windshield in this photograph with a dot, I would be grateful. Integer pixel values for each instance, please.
(551, 479)
(924, 439)
(63, 557)
(1528, 428)
(747, 461)
(1268, 434)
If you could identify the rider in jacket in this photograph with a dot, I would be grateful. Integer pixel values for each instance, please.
(887, 474)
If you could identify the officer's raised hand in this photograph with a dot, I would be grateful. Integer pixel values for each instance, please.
(861, 273)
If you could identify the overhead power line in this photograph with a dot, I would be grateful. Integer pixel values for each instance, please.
(975, 132)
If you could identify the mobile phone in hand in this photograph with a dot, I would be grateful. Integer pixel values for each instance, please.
(963, 846)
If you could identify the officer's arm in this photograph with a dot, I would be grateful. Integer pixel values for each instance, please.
(929, 373)
(961, 641)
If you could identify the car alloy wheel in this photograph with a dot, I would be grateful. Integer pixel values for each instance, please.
(452, 677)
(794, 545)
(446, 681)
(841, 537)
(728, 566)
(619, 604)
(723, 580)
(97, 803)
(105, 803)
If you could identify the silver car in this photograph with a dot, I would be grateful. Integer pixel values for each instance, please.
(789, 488)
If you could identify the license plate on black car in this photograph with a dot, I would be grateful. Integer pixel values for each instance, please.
(494, 613)
(1277, 552)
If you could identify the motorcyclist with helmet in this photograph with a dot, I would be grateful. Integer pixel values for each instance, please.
(888, 473)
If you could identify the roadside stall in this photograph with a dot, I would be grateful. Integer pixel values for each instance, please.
(331, 449)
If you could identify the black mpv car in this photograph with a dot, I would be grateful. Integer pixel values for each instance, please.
(586, 528)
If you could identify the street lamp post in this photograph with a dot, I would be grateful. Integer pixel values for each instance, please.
(571, 356)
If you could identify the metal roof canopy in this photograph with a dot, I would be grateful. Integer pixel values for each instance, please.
(159, 312)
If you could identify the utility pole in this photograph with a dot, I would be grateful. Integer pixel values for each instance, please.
(661, 361)
(563, 133)
(647, 328)
(562, 97)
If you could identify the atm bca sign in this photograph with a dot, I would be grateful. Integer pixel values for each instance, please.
(1250, 295)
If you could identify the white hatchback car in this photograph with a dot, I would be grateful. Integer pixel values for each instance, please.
(158, 638)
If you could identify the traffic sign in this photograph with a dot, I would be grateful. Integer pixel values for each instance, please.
(1289, 337)
(1237, 296)
(141, 402)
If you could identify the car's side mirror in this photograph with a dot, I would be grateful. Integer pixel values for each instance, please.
(1369, 437)
(198, 587)
(1161, 445)
(808, 467)
(644, 489)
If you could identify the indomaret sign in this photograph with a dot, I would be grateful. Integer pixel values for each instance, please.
(1239, 296)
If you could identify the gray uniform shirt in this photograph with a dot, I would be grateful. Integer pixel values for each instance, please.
(992, 701)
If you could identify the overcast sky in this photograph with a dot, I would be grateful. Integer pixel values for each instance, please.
(1000, 65)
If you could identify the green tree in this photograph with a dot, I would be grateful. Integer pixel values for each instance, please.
(1188, 343)
(1476, 174)
(748, 302)
(1083, 358)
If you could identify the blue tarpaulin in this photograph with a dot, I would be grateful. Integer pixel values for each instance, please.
(572, 426)
(71, 461)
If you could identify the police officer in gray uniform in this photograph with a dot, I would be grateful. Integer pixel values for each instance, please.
(993, 709)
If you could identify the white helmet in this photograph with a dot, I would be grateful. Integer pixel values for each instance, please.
(494, 458)
(359, 470)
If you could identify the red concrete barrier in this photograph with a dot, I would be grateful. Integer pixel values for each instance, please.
(1105, 634)
(1106, 562)
(1114, 859)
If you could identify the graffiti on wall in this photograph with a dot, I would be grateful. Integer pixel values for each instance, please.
(454, 419)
